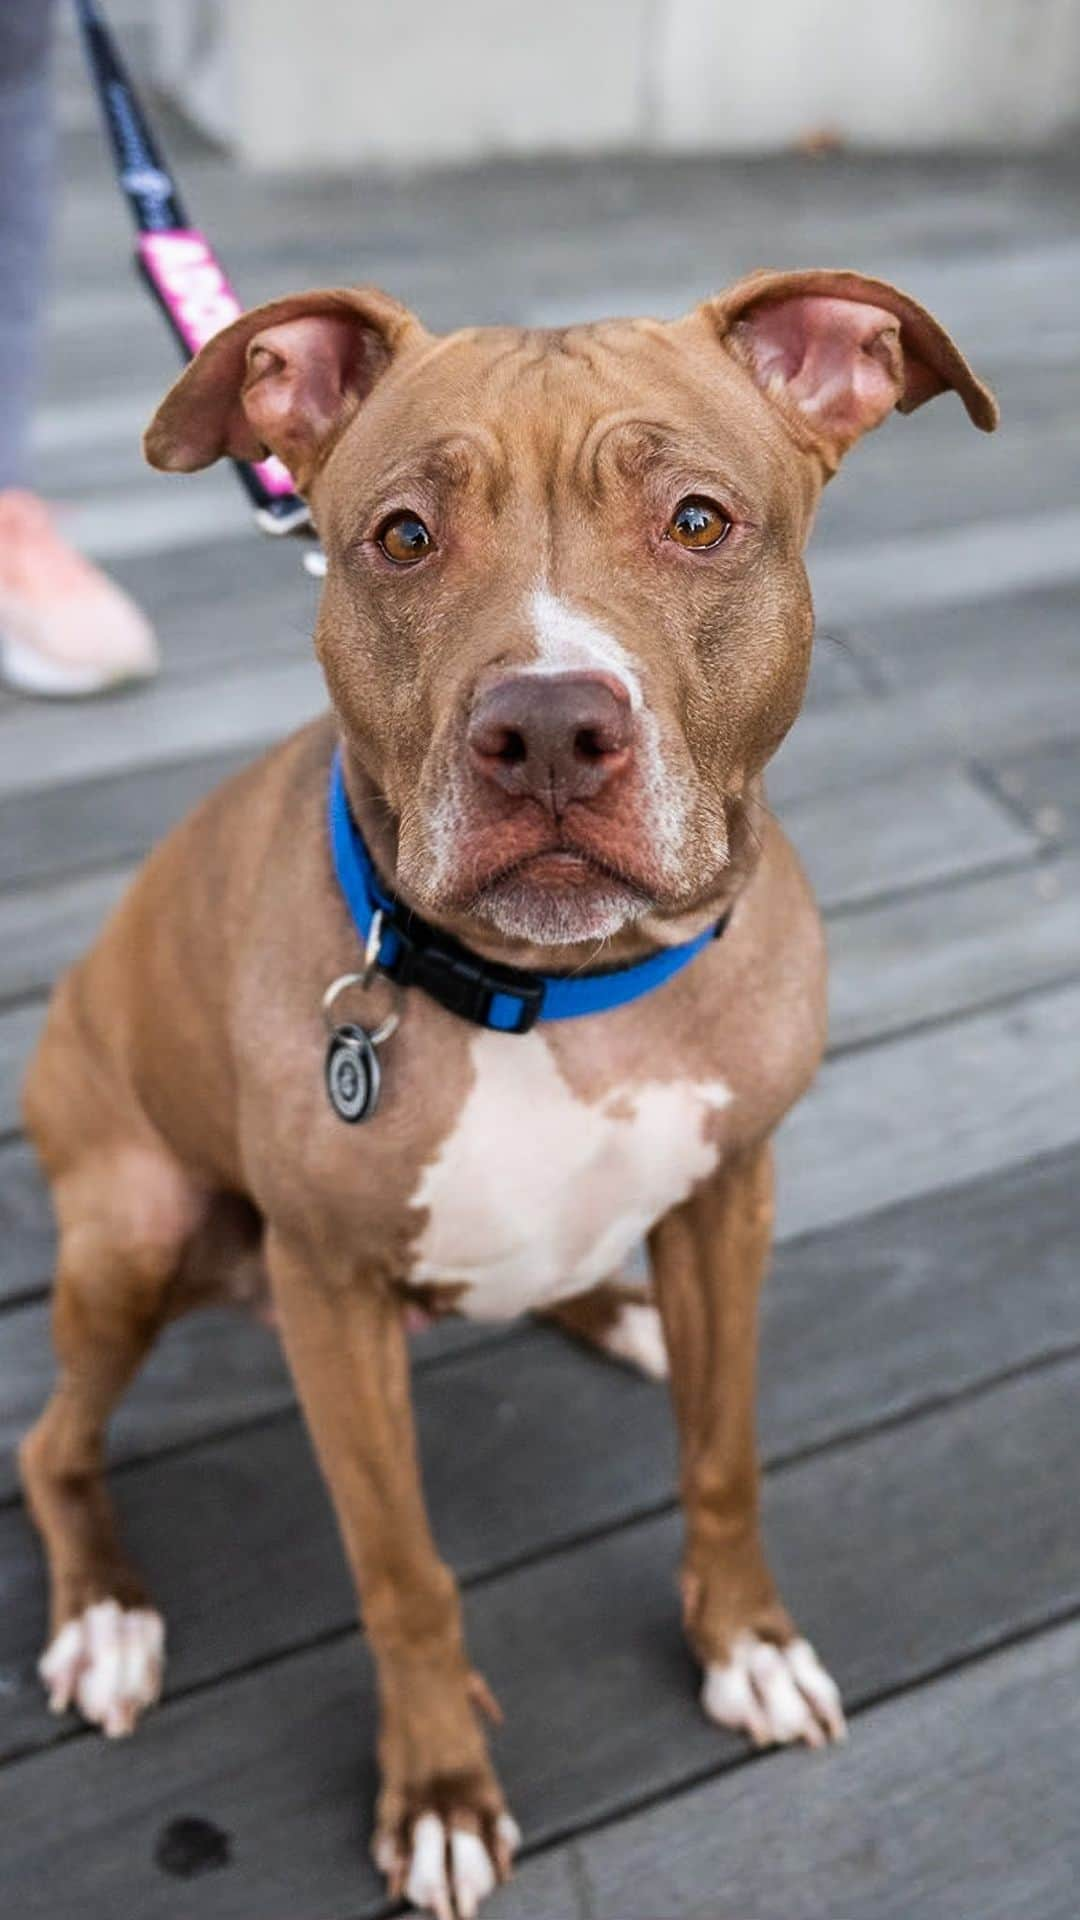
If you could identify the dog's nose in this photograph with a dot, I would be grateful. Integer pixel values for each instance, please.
(552, 738)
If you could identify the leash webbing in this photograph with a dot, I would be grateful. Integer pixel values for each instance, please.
(176, 260)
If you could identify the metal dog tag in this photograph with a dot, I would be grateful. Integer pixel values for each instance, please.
(353, 1074)
(351, 1069)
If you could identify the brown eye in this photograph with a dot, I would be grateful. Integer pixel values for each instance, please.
(405, 539)
(698, 523)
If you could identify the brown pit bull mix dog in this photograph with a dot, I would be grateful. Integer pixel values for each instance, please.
(565, 625)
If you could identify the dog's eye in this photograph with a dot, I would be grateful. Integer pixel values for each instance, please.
(698, 523)
(405, 539)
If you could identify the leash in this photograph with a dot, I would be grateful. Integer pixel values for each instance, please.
(176, 261)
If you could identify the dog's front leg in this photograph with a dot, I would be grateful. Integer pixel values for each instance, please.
(442, 1833)
(709, 1257)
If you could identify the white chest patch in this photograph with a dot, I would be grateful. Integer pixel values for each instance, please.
(538, 1194)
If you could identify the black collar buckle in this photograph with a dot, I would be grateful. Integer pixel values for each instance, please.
(457, 979)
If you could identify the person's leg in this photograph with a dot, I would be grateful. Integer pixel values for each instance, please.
(25, 191)
(64, 628)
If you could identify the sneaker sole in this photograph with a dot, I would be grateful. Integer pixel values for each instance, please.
(27, 671)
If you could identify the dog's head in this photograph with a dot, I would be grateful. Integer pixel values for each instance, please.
(566, 619)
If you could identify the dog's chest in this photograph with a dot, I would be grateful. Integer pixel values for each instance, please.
(537, 1193)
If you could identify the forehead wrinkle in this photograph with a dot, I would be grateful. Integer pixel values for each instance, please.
(683, 456)
(582, 346)
(593, 443)
(527, 353)
(445, 462)
(527, 437)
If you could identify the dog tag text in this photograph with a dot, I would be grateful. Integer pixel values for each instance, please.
(353, 1074)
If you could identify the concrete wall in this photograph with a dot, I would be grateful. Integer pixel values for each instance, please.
(339, 82)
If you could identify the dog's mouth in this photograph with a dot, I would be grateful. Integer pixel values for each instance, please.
(562, 868)
(556, 895)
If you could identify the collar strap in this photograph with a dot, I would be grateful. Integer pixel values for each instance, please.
(506, 999)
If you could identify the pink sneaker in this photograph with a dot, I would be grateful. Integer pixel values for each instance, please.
(65, 629)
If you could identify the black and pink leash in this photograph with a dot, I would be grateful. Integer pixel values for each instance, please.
(175, 259)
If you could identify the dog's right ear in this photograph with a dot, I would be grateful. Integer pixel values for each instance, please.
(285, 378)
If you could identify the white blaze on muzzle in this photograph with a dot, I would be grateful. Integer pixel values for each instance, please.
(568, 641)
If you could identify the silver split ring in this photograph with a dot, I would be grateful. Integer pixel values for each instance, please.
(362, 981)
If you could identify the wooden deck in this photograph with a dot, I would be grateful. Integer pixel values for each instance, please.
(922, 1351)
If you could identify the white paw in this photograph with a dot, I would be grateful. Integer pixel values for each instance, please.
(775, 1694)
(450, 1870)
(637, 1337)
(108, 1663)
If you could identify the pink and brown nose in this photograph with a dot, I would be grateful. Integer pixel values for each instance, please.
(552, 738)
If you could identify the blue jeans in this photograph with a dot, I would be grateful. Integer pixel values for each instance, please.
(25, 194)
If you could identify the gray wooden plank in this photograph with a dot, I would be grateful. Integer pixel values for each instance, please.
(936, 217)
(954, 706)
(139, 517)
(53, 830)
(540, 1444)
(836, 673)
(1043, 786)
(43, 929)
(659, 226)
(980, 265)
(997, 638)
(27, 1239)
(226, 574)
(172, 720)
(942, 473)
(933, 1295)
(932, 1109)
(212, 1370)
(955, 1802)
(217, 1369)
(204, 637)
(941, 566)
(959, 211)
(930, 956)
(901, 1555)
(18, 1030)
(902, 832)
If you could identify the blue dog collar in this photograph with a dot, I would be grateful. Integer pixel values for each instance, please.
(506, 999)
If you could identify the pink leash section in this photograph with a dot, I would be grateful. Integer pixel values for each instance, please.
(176, 261)
(191, 285)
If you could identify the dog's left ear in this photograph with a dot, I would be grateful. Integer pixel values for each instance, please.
(837, 352)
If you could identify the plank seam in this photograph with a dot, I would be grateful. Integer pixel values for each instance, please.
(1038, 858)
(868, 670)
(935, 1022)
(273, 1416)
(984, 777)
(47, 882)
